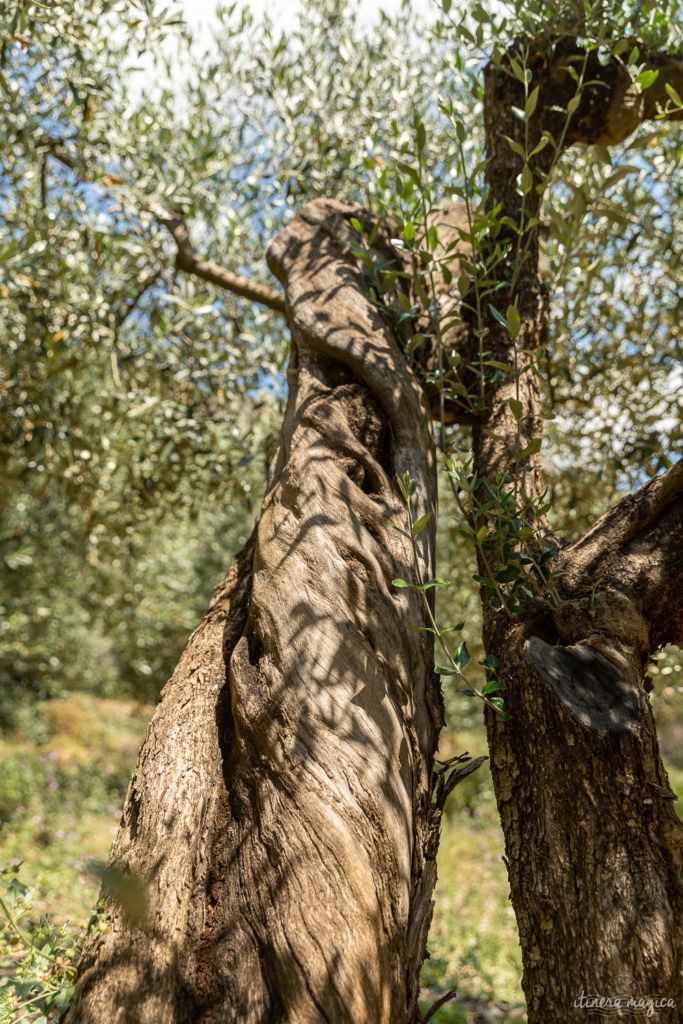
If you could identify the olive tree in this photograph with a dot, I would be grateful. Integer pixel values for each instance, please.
(276, 856)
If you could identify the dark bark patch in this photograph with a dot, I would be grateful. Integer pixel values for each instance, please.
(589, 685)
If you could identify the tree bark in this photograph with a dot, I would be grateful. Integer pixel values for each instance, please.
(593, 844)
(276, 855)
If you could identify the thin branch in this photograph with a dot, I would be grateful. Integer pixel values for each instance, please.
(57, 149)
(187, 258)
(438, 1004)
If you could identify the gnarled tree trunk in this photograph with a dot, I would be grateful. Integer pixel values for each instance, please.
(276, 856)
(275, 860)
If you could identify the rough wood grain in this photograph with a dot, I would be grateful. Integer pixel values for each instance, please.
(593, 844)
(280, 818)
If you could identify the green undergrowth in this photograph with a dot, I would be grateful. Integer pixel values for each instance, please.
(65, 771)
(473, 946)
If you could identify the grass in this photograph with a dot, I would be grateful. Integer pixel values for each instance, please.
(473, 943)
(65, 775)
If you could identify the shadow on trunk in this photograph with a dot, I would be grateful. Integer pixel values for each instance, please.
(280, 821)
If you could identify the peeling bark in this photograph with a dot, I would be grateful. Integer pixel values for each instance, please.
(280, 822)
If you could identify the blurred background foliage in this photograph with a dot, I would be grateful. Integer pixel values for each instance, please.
(139, 406)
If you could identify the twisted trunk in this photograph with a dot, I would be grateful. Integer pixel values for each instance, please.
(275, 860)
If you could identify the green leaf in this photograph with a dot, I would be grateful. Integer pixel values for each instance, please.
(421, 136)
(409, 171)
(492, 686)
(401, 583)
(63, 997)
(388, 281)
(516, 407)
(498, 316)
(517, 69)
(490, 661)
(461, 656)
(356, 225)
(399, 530)
(516, 147)
(508, 574)
(673, 94)
(531, 449)
(410, 484)
(446, 670)
(546, 138)
(409, 231)
(437, 582)
(415, 342)
(573, 103)
(498, 703)
(647, 78)
(527, 179)
(419, 526)
(513, 320)
(620, 172)
(531, 103)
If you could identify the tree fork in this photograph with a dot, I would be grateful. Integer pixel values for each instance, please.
(279, 834)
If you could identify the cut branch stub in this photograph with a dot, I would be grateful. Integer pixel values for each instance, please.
(589, 685)
(280, 819)
(612, 105)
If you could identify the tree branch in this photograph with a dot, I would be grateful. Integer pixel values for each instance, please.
(186, 259)
(637, 549)
(632, 516)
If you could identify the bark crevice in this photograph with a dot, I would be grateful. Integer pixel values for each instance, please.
(285, 836)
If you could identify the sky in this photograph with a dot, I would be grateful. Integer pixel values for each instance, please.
(199, 13)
